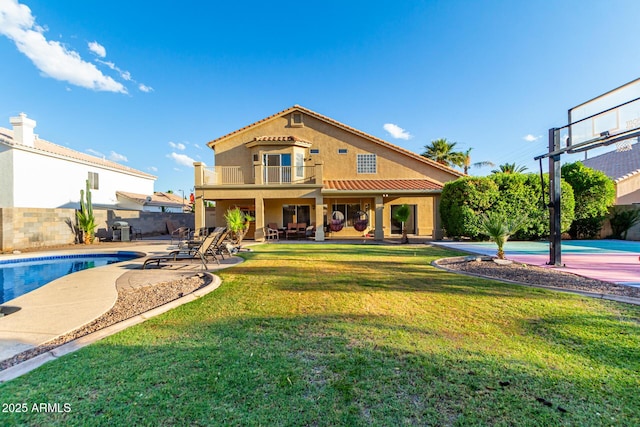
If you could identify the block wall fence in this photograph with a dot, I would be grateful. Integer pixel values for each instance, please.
(24, 228)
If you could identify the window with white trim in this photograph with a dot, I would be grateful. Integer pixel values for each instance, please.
(366, 163)
(93, 181)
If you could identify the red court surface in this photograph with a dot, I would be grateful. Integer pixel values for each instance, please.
(610, 260)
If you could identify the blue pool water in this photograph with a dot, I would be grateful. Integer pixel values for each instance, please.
(20, 276)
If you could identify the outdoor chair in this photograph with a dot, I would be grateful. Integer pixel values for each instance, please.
(292, 230)
(197, 238)
(302, 229)
(180, 255)
(271, 233)
(274, 226)
(178, 233)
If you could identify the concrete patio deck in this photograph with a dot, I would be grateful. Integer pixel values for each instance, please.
(71, 301)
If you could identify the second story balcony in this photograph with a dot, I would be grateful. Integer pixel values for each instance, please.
(259, 175)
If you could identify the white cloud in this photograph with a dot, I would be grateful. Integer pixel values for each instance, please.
(531, 138)
(197, 146)
(94, 152)
(396, 131)
(177, 146)
(144, 88)
(152, 169)
(50, 57)
(98, 49)
(116, 157)
(181, 159)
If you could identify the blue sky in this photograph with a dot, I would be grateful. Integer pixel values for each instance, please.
(148, 84)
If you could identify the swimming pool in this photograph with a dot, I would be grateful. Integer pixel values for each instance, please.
(23, 275)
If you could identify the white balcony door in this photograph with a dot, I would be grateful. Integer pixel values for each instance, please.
(277, 168)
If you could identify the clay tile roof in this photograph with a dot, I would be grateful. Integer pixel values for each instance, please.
(382, 185)
(617, 165)
(277, 138)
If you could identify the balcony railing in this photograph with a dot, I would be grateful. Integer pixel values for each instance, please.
(229, 175)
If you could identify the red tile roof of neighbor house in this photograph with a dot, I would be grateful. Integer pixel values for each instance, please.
(617, 165)
(348, 128)
(382, 185)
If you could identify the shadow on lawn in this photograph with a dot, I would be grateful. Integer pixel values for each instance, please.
(311, 370)
(605, 339)
(363, 276)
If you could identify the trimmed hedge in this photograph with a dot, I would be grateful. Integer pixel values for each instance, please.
(514, 195)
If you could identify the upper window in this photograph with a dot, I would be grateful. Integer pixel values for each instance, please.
(366, 163)
(93, 181)
(342, 151)
(296, 120)
(314, 151)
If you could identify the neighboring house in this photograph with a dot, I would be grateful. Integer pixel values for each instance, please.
(158, 202)
(624, 169)
(35, 173)
(298, 166)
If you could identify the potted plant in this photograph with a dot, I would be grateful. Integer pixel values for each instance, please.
(238, 224)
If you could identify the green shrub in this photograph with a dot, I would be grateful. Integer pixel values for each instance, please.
(622, 220)
(594, 194)
(465, 200)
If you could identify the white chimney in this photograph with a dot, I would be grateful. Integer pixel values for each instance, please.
(23, 129)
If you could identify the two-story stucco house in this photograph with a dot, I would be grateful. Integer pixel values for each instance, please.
(298, 166)
(35, 173)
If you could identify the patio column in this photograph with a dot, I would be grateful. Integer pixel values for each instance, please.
(259, 234)
(199, 218)
(319, 218)
(379, 233)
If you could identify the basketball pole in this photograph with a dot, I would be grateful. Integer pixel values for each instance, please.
(555, 229)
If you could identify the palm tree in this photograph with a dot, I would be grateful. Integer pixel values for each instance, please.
(402, 215)
(509, 168)
(441, 151)
(466, 162)
(499, 228)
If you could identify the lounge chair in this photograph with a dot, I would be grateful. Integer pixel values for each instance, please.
(199, 253)
(178, 233)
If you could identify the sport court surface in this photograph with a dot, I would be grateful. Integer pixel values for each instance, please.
(610, 260)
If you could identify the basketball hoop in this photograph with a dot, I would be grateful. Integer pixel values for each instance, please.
(624, 145)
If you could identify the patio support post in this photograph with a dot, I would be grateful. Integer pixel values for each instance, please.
(319, 218)
(199, 218)
(379, 230)
(259, 220)
(258, 171)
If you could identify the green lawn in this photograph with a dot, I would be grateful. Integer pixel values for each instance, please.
(353, 335)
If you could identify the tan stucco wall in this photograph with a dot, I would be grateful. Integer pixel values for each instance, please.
(628, 191)
(328, 139)
(241, 149)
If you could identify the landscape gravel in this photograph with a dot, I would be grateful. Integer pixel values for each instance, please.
(130, 303)
(534, 275)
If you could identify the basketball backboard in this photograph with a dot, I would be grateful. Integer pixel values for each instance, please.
(608, 117)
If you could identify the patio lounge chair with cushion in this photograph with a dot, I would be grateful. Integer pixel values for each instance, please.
(199, 253)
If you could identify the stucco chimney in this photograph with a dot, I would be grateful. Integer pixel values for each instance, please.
(23, 129)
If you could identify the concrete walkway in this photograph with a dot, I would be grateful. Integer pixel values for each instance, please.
(74, 300)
